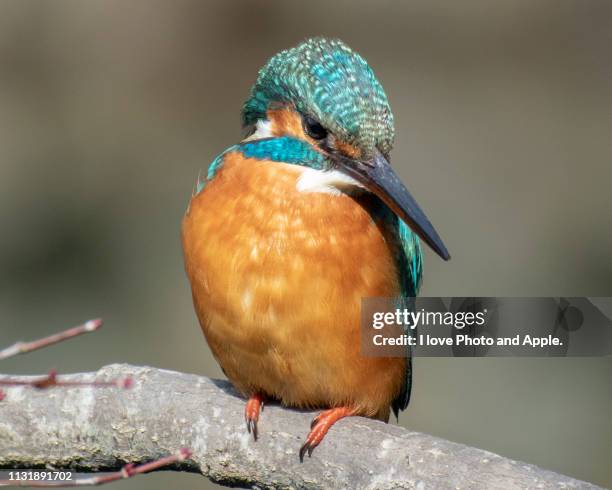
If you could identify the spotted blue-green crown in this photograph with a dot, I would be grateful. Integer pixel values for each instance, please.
(325, 79)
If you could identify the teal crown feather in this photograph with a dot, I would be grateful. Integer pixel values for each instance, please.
(325, 79)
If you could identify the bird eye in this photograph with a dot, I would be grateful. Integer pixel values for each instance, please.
(314, 129)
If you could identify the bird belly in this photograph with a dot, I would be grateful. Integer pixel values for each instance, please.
(277, 279)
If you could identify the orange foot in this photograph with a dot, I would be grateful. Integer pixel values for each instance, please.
(254, 405)
(319, 427)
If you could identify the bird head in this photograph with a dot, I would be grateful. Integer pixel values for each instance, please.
(324, 93)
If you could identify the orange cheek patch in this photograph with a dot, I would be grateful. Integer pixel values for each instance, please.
(286, 121)
(348, 149)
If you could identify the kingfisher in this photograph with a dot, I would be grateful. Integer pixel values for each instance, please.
(292, 227)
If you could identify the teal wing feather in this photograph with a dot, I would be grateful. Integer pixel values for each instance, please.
(410, 260)
(213, 168)
(410, 267)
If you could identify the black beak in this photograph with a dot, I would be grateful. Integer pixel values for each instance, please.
(377, 176)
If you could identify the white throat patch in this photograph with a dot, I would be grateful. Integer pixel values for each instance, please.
(327, 182)
(263, 129)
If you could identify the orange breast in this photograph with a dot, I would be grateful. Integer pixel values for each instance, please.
(277, 278)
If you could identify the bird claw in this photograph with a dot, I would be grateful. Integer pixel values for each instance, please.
(319, 427)
(251, 426)
(307, 447)
(251, 414)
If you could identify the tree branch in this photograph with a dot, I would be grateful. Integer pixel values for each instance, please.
(51, 379)
(25, 347)
(87, 429)
(128, 471)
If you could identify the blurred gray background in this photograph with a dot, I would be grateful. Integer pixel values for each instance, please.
(108, 110)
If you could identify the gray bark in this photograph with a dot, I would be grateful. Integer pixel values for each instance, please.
(92, 429)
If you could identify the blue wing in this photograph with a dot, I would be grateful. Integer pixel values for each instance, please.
(212, 170)
(410, 260)
(410, 267)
